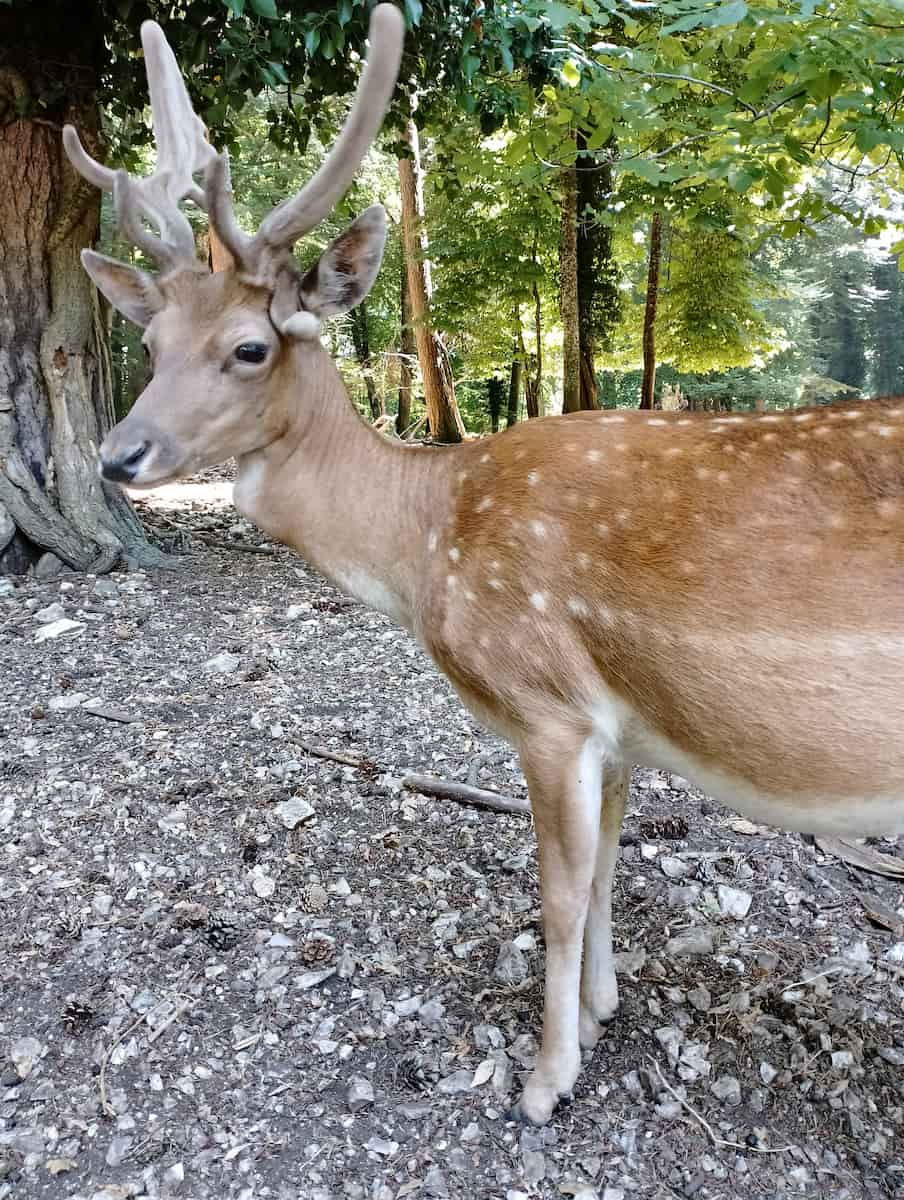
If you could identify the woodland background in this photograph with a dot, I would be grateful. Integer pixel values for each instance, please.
(596, 203)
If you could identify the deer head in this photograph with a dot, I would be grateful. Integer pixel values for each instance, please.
(224, 347)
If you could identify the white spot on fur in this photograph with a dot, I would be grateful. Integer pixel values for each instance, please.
(538, 528)
(593, 456)
(578, 607)
(887, 509)
(853, 416)
(884, 431)
(835, 466)
(454, 554)
(451, 581)
(485, 458)
(495, 584)
(486, 502)
(495, 564)
(656, 421)
(602, 529)
(584, 560)
(538, 600)
(432, 540)
(623, 516)
(806, 416)
(533, 477)
(703, 472)
(723, 476)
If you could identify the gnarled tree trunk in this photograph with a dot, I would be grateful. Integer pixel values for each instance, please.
(439, 394)
(55, 371)
(361, 340)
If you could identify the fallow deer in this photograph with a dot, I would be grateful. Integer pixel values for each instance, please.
(718, 596)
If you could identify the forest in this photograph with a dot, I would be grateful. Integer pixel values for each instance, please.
(595, 204)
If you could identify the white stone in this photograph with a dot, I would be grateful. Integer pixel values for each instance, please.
(733, 902)
(55, 628)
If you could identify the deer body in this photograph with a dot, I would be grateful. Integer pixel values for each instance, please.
(720, 596)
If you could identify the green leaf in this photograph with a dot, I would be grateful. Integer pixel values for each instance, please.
(726, 14)
(312, 41)
(571, 72)
(561, 16)
(413, 11)
(236, 7)
(344, 12)
(265, 8)
(279, 71)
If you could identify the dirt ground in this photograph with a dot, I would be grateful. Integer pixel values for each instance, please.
(232, 967)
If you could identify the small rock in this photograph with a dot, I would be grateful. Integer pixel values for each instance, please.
(294, 812)
(700, 998)
(223, 664)
(102, 905)
(534, 1165)
(53, 612)
(435, 1183)
(456, 1083)
(7, 587)
(691, 942)
(23, 1054)
(262, 884)
(842, 1060)
(767, 1072)
(511, 965)
(107, 588)
(118, 1150)
(727, 1089)
(59, 1166)
(294, 611)
(673, 868)
(360, 1093)
(733, 902)
(55, 628)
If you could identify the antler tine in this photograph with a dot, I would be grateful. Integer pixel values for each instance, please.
(317, 198)
(182, 149)
(218, 201)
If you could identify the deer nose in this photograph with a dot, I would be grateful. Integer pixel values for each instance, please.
(123, 467)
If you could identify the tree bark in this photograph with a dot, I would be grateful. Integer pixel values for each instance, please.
(439, 394)
(568, 294)
(648, 383)
(514, 392)
(495, 396)
(533, 363)
(361, 341)
(55, 368)
(407, 352)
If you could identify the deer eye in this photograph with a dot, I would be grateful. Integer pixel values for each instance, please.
(252, 352)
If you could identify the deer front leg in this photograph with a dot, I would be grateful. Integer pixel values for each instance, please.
(599, 989)
(563, 777)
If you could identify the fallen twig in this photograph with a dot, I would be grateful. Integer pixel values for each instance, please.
(347, 760)
(463, 793)
(223, 544)
(713, 1136)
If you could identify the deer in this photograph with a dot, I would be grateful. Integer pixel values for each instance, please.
(721, 596)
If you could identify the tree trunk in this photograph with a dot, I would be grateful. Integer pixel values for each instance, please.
(439, 394)
(55, 368)
(495, 395)
(514, 392)
(648, 383)
(533, 363)
(407, 353)
(361, 340)
(568, 294)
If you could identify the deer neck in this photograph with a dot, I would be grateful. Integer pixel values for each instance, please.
(357, 506)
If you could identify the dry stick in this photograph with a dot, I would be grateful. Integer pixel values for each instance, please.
(714, 1137)
(463, 793)
(429, 785)
(121, 1037)
(347, 760)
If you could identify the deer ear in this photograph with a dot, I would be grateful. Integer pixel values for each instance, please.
(128, 289)
(345, 272)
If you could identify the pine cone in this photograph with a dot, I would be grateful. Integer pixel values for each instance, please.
(317, 952)
(223, 930)
(666, 829)
(77, 1010)
(69, 926)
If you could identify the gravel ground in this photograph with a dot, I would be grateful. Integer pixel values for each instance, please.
(232, 967)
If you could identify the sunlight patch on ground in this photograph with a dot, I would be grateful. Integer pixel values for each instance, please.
(187, 493)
